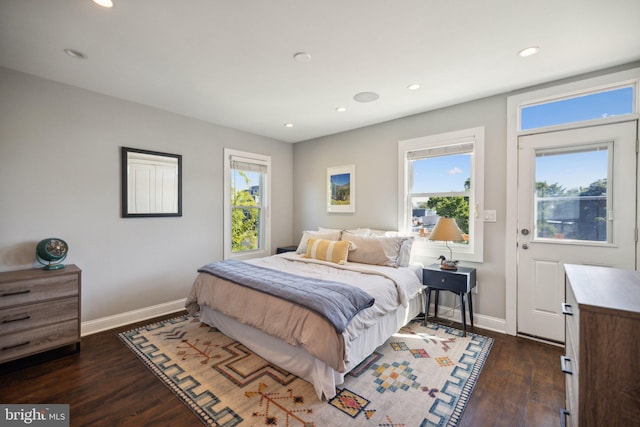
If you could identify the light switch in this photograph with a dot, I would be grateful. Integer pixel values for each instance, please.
(489, 216)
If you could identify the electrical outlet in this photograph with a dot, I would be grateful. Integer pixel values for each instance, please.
(475, 290)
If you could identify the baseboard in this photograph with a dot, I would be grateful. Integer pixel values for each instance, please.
(105, 323)
(117, 320)
(479, 320)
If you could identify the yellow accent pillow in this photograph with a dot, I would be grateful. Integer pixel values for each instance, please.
(328, 250)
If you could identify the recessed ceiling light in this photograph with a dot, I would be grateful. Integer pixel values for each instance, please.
(302, 57)
(414, 86)
(104, 3)
(75, 54)
(288, 125)
(366, 96)
(341, 109)
(529, 51)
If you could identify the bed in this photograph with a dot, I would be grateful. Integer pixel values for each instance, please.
(301, 340)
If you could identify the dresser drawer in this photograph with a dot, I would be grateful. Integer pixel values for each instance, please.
(30, 316)
(20, 344)
(37, 289)
(445, 280)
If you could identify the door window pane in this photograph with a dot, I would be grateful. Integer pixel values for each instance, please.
(572, 189)
(586, 107)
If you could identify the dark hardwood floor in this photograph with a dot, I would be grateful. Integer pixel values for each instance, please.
(106, 385)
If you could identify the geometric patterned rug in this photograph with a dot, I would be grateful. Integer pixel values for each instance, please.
(422, 376)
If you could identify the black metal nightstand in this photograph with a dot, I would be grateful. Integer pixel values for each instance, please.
(284, 249)
(460, 281)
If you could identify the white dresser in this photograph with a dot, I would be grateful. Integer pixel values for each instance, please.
(602, 360)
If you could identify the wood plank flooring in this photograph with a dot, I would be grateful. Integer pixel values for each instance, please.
(106, 385)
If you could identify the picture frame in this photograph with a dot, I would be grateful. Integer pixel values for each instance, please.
(151, 183)
(341, 189)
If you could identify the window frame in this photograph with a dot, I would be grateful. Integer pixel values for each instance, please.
(265, 205)
(423, 248)
(578, 93)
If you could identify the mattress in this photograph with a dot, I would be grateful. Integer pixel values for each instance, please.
(291, 337)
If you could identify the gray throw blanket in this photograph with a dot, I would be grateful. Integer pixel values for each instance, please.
(337, 302)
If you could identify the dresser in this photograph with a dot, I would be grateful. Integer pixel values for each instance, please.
(602, 360)
(39, 311)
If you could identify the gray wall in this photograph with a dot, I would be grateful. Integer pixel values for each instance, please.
(374, 151)
(60, 176)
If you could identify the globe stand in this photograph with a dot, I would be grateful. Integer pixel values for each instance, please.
(53, 266)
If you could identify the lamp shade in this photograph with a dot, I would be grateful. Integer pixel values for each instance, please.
(446, 230)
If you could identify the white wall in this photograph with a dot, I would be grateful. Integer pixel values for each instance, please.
(60, 176)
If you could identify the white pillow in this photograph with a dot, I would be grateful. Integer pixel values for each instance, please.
(329, 230)
(329, 235)
(374, 232)
(359, 231)
(405, 250)
(404, 259)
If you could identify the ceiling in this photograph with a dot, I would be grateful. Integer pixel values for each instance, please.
(230, 62)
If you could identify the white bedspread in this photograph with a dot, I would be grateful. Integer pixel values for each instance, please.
(389, 286)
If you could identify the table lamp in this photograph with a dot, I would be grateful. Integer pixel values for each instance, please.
(446, 230)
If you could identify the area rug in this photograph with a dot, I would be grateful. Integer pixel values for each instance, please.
(422, 376)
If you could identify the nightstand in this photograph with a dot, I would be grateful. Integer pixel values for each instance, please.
(460, 282)
(284, 249)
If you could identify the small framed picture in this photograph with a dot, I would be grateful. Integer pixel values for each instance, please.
(341, 189)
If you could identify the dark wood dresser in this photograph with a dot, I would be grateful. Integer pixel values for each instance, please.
(602, 361)
(39, 311)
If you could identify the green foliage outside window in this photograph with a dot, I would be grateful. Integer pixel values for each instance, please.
(456, 207)
(245, 219)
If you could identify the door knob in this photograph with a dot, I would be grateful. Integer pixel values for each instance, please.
(525, 246)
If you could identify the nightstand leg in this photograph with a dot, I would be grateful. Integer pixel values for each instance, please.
(464, 315)
(470, 297)
(435, 308)
(426, 308)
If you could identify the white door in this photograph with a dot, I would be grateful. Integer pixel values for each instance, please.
(576, 205)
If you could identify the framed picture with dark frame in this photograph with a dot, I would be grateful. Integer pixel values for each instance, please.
(341, 189)
(151, 183)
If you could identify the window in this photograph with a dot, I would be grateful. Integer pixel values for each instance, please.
(442, 176)
(574, 203)
(247, 196)
(587, 106)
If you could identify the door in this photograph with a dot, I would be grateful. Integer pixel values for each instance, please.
(577, 205)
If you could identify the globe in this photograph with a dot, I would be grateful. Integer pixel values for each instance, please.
(51, 252)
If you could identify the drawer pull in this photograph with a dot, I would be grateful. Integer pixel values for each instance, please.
(563, 417)
(22, 344)
(17, 319)
(563, 364)
(8, 294)
(566, 309)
